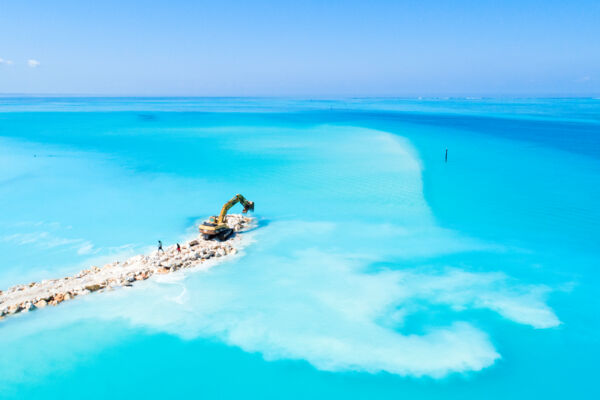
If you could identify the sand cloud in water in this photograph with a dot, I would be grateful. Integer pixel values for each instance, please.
(325, 308)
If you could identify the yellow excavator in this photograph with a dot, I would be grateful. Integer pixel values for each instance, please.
(216, 227)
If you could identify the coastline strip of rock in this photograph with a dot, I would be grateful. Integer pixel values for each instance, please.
(23, 298)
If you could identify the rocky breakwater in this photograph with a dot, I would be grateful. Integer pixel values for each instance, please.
(23, 298)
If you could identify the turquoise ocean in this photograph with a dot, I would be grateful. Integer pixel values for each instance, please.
(377, 269)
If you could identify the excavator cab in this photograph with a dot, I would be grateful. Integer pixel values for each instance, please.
(216, 227)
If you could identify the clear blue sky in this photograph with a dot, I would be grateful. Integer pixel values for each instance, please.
(300, 48)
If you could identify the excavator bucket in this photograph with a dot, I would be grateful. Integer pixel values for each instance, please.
(249, 206)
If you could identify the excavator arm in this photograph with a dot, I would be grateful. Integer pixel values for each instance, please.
(238, 198)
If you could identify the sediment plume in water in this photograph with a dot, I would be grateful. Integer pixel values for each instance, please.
(28, 297)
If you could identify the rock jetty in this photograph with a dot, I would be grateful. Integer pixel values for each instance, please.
(23, 298)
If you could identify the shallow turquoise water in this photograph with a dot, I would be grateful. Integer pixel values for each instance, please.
(378, 270)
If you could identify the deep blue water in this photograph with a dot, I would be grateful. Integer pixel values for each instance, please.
(378, 270)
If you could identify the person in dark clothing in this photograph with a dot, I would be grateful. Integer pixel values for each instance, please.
(446, 159)
(160, 246)
(178, 248)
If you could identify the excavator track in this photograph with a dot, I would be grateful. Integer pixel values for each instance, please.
(226, 234)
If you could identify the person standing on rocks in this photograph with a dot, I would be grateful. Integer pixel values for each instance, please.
(160, 246)
(178, 248)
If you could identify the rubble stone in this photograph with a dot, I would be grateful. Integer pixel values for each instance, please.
(37, 295)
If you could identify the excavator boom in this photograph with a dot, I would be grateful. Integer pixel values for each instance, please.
(238, 198)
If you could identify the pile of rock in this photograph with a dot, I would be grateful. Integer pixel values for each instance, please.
(23, 298)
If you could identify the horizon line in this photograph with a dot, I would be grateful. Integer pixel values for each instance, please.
(306, 97)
